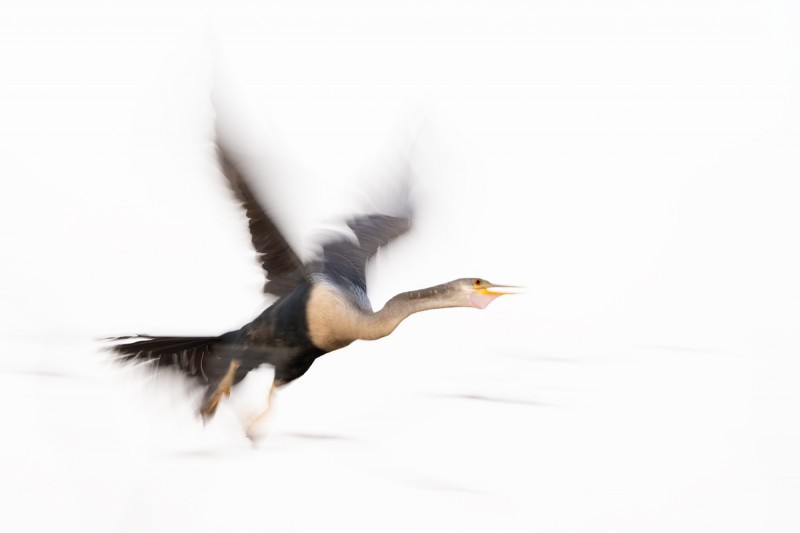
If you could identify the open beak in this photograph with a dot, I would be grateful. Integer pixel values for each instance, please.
(499, 290)
(484, 296)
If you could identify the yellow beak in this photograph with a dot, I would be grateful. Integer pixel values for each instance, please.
(499, 290)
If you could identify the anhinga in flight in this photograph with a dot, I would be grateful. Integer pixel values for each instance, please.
(321, 306)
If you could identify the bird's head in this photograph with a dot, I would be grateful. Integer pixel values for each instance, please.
(479, 293)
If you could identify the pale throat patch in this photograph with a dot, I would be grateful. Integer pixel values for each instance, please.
(480, 300)
(331, 317)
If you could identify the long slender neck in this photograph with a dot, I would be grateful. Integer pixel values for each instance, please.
(382, 323)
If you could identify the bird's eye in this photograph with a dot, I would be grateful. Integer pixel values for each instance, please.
(477, 283)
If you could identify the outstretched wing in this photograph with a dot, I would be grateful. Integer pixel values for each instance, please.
(345, 262)
(282, 266)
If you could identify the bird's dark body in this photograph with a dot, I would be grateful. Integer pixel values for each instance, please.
(279, 337)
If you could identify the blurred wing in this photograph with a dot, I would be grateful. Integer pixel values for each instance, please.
(282, 266)
(345, 261)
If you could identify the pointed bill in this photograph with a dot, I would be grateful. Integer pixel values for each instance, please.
(499, 290)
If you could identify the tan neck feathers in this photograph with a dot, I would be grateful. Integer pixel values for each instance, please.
(334, 320)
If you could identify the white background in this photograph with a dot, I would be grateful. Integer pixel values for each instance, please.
(633, 163)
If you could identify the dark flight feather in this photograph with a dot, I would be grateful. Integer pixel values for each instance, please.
(345, 262)
(283, 268)
(342, 261)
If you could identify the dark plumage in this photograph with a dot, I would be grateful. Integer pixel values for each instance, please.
(321, 305)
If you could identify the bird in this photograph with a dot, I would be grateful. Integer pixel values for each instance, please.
(319, 306)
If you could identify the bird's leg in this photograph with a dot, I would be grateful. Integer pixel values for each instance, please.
(223, 388)
(252, 428)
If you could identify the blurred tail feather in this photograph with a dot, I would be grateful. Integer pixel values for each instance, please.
(189, 354)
